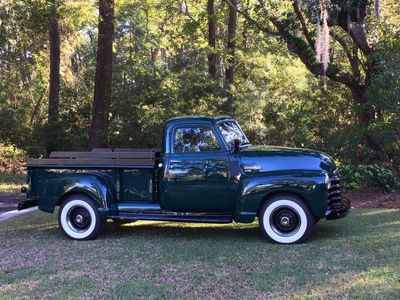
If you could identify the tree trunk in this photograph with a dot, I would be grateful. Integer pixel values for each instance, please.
(212, 69)
(231, 44)
(54, 82)
(366, 117)
(54, 88)
(37, 106)
(102, 89)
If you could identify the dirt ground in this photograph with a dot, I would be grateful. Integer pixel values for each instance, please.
(371, 199)
(359, 199)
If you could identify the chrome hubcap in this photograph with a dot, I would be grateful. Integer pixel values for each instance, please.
(79, 219)
(285, 221)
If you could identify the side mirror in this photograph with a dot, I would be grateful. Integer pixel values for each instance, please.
(236, 145)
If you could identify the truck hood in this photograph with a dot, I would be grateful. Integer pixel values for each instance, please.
(272, 158)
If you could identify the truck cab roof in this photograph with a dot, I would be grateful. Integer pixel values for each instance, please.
(191, 119)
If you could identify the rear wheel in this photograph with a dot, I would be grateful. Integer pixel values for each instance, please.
(78, 218)
(286, 219)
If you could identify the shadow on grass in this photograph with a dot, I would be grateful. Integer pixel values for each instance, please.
(359, 223)
(194, 231)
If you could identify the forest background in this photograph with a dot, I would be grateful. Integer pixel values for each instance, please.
(317, 74)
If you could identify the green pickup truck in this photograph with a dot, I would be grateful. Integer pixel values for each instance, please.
(206, 171)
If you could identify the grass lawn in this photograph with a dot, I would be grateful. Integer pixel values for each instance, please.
(358, 256)
(11, 183)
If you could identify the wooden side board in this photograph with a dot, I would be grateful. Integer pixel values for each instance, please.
(99, 157)
(88, 162)
(125, 150)
(110, 155)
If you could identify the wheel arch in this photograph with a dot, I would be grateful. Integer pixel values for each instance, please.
(68, 194)
(253, 191)
(98, 201)
(268, 196)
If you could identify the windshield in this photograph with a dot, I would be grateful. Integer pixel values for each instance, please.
(231, 131)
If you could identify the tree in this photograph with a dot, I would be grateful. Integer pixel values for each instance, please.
(231, 42)
(212, 57)
(356, 69)
(102, 90)
(54, 82)
(161, 70)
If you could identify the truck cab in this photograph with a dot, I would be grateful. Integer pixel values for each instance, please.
(206, 171)
(199, 167)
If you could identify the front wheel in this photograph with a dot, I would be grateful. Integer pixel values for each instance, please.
(78, 218)
(286, 219)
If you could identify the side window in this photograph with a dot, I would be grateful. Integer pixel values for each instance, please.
(195, 139)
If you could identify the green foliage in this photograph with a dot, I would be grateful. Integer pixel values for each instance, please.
(11, 183)
(12, 159)
(12, 179)
(384, 94)
(160, 71)
(368, 177)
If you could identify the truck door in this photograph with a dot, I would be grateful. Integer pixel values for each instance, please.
(196, 174)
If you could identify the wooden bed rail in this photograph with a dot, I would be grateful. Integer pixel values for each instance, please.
(103, 157)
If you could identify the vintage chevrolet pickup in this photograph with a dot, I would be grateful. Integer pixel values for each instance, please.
(207, 171)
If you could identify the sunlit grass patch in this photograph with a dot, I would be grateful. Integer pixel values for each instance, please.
(356, 257)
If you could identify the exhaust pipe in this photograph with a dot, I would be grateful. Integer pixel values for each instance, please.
(27, 204)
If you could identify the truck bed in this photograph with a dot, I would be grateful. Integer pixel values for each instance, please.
(107, 157)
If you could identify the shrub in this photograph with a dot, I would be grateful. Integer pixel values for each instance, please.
(12, 159)
(373, 176)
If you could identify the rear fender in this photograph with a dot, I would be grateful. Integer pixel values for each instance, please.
(55, 190)
(255, 189)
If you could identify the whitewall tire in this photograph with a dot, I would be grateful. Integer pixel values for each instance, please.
(78, 218)
(286, 219)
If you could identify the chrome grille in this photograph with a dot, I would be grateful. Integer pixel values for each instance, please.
(334, 193)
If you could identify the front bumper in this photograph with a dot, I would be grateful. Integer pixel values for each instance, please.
(339, 211)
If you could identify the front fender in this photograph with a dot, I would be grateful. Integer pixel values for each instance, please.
(54, 190)
(255, 188)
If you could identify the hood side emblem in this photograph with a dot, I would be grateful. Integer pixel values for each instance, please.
(251, 168)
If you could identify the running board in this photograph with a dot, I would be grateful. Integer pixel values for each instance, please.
(139, 207)
(175, 216)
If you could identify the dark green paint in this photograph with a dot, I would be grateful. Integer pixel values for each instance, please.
(136, 185)
(215, 181)
(197, 182)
